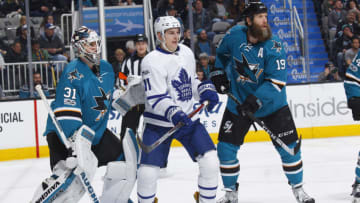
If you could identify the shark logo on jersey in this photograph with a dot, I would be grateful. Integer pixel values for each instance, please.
(276, 46)
(183, 86)
(227, 127)
(75, 75)
(102, 102)
(248, 72)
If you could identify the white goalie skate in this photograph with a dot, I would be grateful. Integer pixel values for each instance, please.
(355, 193)
(231, 196)
(301, 195)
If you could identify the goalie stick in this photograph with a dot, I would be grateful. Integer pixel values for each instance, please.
(292, 151)
(82, 175)
(149, 148)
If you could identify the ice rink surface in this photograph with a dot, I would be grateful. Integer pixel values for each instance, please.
(329, 166)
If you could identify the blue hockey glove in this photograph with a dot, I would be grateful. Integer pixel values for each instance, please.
(354, 105)
(251, 104)
(180, 116)
(219, 79)
(207, 92)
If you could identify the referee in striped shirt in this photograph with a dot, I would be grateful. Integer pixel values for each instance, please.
(131, 66)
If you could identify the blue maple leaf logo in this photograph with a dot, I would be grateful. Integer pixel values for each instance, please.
(183, 86)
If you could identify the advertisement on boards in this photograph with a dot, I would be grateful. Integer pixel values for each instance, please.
(17, 127)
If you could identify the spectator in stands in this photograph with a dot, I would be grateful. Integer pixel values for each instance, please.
(352, 5)
(21, 27)
(130, 48)
(25, 90)
(12, 7)
(52, 43)
(350, 53)
(330, 73)
(337, 14)
(119, 59)
(218, 12)
(342, 44)
(15, 53)
(200, 74)
(163, 5)
(201, 17)
(186, 38)
(50, 19)
(204, 64)
(23, 39)
(327, 7)
(38, 54)
(203, 44)
(350, 20)
(235, 9)
(40, 8)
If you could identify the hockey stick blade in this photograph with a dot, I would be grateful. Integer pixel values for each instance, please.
(149, 148)
(291, 151)
(82, 176)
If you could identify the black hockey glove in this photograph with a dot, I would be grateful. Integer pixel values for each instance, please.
(251, 104)
(354, 105)
(219, 79)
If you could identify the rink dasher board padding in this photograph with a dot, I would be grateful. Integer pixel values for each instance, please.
(319, 110)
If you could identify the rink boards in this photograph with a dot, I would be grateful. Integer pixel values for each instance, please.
(319, 110)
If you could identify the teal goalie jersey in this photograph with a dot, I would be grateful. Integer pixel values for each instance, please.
(83, 97)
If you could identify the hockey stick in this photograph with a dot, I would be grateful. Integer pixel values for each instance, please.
(149, 148)
(292, 151)
(82, 175)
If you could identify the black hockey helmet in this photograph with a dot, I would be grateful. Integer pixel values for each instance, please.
(140, 38)
(254, 7)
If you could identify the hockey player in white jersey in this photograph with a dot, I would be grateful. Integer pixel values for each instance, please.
(171, 90)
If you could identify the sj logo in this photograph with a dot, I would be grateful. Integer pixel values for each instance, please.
(228, 127)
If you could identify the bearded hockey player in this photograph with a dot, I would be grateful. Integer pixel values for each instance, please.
(254, 61)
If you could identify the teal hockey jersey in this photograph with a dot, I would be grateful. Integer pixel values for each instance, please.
(258, 69)
(83, 97)
(352, 78)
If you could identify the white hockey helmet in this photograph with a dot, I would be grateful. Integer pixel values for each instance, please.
(82, 39)
(164, 23)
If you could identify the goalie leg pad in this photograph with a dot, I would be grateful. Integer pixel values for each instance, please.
(119, 181)
(62, 186)
(120, 176)
(208, 177)
(147, 182)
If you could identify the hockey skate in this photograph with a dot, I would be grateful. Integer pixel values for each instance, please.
(356, 193)
(231, 196)
(301, 195)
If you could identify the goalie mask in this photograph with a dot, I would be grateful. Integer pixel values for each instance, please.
(87, 45)
(164, 23)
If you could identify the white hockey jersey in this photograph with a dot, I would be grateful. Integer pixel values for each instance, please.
(169, 80)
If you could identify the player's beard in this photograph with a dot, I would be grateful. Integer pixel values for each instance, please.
(259, 33)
